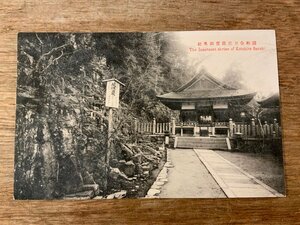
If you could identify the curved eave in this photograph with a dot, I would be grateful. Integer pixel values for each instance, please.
(270, 102)
(199, 98)
(175, 103)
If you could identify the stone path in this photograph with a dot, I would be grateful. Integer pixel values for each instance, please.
(233, 180)
(184, 176)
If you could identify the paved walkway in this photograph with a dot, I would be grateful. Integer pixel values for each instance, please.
(188, 178)
(234, 181)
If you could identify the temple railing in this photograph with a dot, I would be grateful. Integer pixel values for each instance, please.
(179, 124)
(152, 127)
(253, 129)
(221, 124)
(234, 129)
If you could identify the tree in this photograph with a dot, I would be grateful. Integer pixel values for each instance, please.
(61, 119)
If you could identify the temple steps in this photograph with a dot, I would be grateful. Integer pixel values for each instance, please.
(201, 143)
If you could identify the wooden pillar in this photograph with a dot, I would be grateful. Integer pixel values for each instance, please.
(173, 126)
(272, 130)
(253, 133)
(154, 126)
(266, 128)
(258, 131)
(275, 125)
(276, 128)
(109, 140)
(249, 130)
(230, 128)
(194, 130)
(181, 130)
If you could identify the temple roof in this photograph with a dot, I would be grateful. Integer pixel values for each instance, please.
(270, 102)
(206, 94)
(203, 78)
(205, 87)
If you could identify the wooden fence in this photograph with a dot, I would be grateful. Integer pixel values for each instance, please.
(252, 129)
(152, 127)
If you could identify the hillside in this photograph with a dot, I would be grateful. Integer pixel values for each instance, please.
(61, 131)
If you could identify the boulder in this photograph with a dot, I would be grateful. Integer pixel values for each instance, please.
(111, 196)
(93, 187)
(139, 169)
(127, 151)
(146, 168)
(117, 195)
(120, 194)
(136, 149)
(146, 173)
(137, 158)
(80, 195)
(98, 197)
(129, 168)
(122, 162)
(153, 192)
(115, 174)
(114, 163)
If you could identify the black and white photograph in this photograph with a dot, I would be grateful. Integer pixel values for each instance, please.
(186, 114)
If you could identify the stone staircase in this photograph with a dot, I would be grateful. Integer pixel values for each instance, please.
(202, 142)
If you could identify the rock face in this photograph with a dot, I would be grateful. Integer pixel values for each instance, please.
(69, 177)
(62, 121)
(81, 172)
(93, 187)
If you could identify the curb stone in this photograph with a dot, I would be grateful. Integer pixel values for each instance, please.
(161, 179)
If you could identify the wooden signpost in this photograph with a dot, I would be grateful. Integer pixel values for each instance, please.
(112, 93)
(111, 101)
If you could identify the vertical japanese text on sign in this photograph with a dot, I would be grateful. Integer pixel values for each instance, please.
(112, 94)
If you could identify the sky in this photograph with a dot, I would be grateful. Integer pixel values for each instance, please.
(258, 67)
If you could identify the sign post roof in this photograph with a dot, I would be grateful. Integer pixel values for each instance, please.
(113, 79)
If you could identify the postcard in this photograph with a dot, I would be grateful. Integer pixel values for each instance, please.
(191, 114)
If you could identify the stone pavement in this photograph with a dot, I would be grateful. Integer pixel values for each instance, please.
(184, 176)
(233, 180)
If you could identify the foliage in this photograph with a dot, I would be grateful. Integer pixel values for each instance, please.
(61, 126)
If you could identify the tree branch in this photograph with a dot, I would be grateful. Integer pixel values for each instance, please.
(48, 53)
(39, 39)
(53, 61)
(28, 56)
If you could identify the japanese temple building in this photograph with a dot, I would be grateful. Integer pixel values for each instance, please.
(204, 103)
